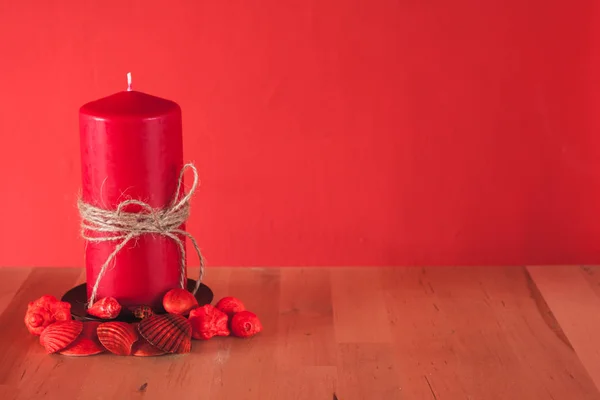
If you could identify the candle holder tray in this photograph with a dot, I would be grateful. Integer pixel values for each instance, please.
(77, 297)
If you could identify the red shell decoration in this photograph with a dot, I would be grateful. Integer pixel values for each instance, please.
(106, 308)
(170, 333)
(45, 311)
(117, 337)
(37, 319)
(87, 344)
(141, 348)
(59, 335)
(155, 335)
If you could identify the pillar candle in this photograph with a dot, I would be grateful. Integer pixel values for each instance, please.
(131, 148)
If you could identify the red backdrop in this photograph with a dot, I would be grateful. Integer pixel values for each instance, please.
(329, 132)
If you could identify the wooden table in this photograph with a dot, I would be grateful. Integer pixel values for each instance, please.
(359, 333)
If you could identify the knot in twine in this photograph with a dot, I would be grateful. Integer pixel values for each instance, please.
(123, 226)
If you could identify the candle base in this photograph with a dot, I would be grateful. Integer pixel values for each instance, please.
(77, 297)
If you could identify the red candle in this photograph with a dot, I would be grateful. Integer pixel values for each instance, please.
(131, 148)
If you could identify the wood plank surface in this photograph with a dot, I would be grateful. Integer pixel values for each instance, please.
(342, 333)
(575, 305)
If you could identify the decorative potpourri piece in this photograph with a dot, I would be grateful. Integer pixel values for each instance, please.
(154, 335)
(59, 335)
(245, 324)
(170, 333)
(87, 343)
(230, 306)
(179, 301)
(106, 308)
(207, 322)
(45, 311)
(142, 312)
(117, 337)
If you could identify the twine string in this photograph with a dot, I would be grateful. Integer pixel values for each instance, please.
(123, 226)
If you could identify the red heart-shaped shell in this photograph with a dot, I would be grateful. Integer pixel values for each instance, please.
(117, 337)
(170, 333)
(87, 343)
(59, 335)
(142, 348)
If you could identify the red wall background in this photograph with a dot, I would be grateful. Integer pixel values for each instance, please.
(332, 132)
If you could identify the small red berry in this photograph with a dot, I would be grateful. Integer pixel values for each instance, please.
(179, 301)
(230, 305)
(245, 324)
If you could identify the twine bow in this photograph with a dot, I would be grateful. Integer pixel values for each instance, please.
(123, 226)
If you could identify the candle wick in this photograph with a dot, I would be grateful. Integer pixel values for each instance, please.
(129, 88)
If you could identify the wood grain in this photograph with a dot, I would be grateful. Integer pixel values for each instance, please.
(359, 306)
(306, 330)
(12, 280)
(575, 304)
(464, 333)
(356, 333)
